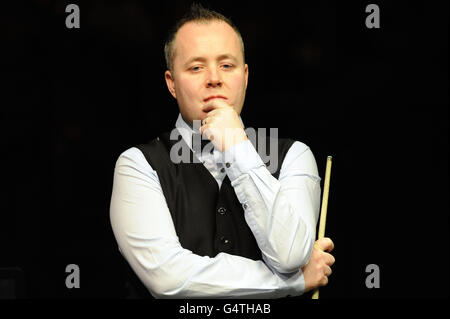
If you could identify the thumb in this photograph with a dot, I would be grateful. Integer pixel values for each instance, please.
(324, 244)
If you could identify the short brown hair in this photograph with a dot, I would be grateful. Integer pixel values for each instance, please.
(196, 13)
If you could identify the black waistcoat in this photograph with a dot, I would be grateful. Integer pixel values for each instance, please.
(208, 220)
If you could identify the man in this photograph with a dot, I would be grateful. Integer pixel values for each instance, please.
(221, 226)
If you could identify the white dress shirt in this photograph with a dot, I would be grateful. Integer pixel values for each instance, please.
(281, 213)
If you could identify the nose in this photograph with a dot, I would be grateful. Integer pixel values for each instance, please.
(214, 79)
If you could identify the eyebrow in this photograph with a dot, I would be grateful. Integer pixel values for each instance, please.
(219, 58)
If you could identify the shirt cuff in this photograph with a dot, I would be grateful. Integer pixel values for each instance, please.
(295, 283)
(240, 159)
(301, 284)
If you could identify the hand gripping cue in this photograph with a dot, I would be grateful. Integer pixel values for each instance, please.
(323, 211)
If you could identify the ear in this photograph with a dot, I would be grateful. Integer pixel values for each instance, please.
(246, 75)
(170, 83)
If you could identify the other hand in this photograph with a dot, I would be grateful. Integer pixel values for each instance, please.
(318, 269)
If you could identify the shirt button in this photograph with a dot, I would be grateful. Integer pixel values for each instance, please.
(245, 206)
(224, 240)
(222, 210)
(227, 165)
(222, 170)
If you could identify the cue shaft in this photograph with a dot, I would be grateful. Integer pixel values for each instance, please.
(323, 211)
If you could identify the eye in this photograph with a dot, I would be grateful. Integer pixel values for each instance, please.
(195, 68)
(227, 66)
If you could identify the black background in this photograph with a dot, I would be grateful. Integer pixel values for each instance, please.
(375, 99)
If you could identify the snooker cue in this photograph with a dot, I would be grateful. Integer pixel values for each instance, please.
(323, 211)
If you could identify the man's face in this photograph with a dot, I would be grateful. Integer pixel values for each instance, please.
(208, 63)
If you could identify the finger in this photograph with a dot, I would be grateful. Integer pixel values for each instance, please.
(210, 121)
(324, 281)
(205, 130)
(329, 259)
(325, 244)
(214, 113)
(209, 133)
(207, 120)
(317, 246)
(327, 270)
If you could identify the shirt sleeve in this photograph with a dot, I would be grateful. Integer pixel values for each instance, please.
(146, 237)
(282, 213)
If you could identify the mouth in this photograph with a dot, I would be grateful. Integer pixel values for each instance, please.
(209, 98)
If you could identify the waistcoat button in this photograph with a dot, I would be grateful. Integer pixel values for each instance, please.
(222, 210)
